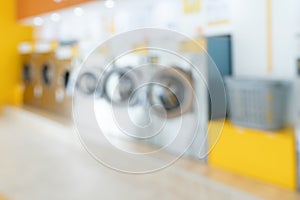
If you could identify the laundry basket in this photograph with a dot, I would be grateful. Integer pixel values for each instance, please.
(261, 104)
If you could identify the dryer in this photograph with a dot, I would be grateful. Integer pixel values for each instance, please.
(161, 101)
(47, 71)
(29, 79)
(63, 95)
(64, 64)
(172, 99)
(30, 74)
(149, 102)
(40, 58)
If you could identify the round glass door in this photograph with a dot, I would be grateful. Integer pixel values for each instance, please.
(171, 92)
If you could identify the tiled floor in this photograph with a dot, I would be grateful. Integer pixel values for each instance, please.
(43, 159)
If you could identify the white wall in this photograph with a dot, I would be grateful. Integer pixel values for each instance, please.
(284, 38)
(247, 24)
(249, 37)
(249, 20)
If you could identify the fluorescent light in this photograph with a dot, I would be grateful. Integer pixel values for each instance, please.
(57, 1)
(78, 11)
(55, 17)
(38, 21)
(109, 3)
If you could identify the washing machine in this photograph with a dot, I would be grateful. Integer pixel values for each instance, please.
(27, 76)
(29, 79)
(155, 96)
(63, 97)
(63, 94)
(29, 69)
(85, 82)
(34, 95)
(160, 101)
(47, 71)
(172, 98)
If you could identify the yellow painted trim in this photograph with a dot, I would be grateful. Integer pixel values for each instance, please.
(193, 46)
(191, 6)
(216, 23)
(269, 37)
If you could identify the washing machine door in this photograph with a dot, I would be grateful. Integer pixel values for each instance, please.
(171, 92)
(118, 85)
(87, 83)
(66, 78)
(27, 73)
(48, 74)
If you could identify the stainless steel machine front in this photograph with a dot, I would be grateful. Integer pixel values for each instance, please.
(63, 91)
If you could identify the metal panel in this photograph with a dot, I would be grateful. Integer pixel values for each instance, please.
(219, 49)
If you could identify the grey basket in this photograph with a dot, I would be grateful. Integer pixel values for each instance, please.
(260, 104)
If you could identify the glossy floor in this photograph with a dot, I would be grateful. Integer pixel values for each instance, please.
(43, 159)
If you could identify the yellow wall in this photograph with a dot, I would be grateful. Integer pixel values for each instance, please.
(11, 35)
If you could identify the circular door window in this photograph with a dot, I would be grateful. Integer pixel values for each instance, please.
(87, 83)
(118, 85)
(27, 73)
(171, 92)
(66, 78)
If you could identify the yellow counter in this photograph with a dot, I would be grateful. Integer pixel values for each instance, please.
(264, 155)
